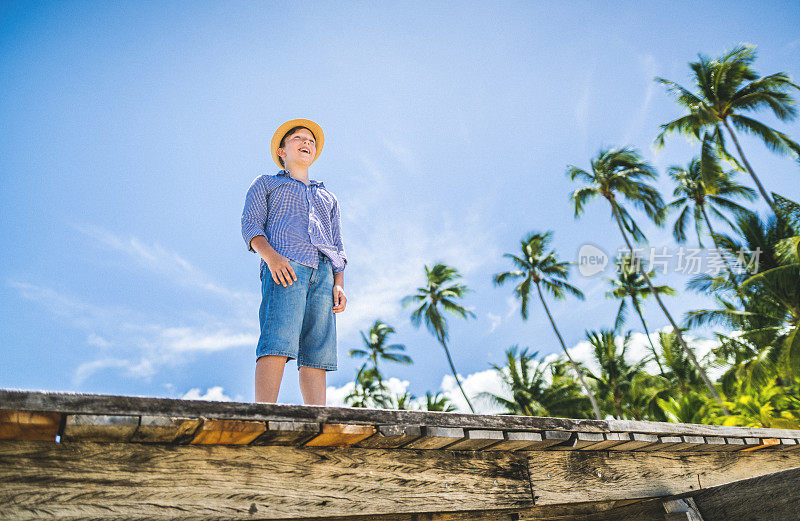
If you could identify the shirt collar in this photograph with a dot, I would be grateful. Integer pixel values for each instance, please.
(286, 173)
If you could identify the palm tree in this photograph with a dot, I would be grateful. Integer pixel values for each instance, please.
(402, 402)
(616, 378)
(366, 392)
(435, 402)
(622, 171)
(681, 374)
(433, 294)
(377, 350)
(765, 406)
(690, 407)
(723, 96)
(539, 267)
(770, 294)
(630, 284)
(702, 187)
(536, 389)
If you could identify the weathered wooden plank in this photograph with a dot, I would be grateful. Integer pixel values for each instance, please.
(559, 439)
(638, 441)
(754, 444)
(340, 435)
(391, 436)
(475, 439)
(611, 439)
(227, 432)
(29, 425)
(521, 440)
(772, 497)
(435, 437)
(682, 510)
(789, 444)
(662, 443)
(135, 405)
(157, 481)
(110, 405)
(581, 441)
(287, 433)
(735, 443)
(712, 444)
(99, 427)
(689, 443)
(165, 429)
(565, 477)
(698, 430)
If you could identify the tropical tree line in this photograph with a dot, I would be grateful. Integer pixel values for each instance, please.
(756, 293)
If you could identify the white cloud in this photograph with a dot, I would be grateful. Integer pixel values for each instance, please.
(132, 343)
(183, 339)
(334, 396)
(87, 369)
(482, 381)
(162, 261)
(215, 393)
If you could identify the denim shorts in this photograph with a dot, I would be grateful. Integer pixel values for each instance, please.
(297, 321)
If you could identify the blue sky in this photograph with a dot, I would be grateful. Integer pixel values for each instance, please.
(131, 132)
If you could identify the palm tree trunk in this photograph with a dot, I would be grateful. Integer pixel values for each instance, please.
(675, 327)
(749, 168)
(719, 250)
(377, 372)
(646, 332)
(586, 388)
(453, 369)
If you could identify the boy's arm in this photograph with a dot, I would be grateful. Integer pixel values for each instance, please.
(254, 214)
(336, 230)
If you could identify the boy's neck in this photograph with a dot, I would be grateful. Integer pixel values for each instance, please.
(298, 172)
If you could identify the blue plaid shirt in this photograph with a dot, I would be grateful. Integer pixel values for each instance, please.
(298, 221)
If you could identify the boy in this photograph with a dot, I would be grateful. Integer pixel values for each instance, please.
(293, 223)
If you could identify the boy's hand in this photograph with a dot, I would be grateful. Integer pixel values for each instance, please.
(339, 299)
(282, 272)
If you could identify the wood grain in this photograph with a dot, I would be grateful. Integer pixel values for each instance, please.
(566, 477)
(340, 435)
(27, 425)
(151, 481)
(99, 427)
(227, 432)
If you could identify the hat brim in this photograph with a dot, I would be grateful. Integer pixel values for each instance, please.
(286, 127)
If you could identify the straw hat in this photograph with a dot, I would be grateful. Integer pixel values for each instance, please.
(286, 127)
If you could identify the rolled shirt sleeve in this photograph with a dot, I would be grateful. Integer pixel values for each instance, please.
(336, 230)
(255, 212)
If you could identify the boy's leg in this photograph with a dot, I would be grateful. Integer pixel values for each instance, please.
(318, 335)
(312, 385)
(269, 372)
(281, 318)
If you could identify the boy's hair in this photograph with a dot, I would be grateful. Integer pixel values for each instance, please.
(283, 139)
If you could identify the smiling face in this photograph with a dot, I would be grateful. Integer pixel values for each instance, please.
(298, 147)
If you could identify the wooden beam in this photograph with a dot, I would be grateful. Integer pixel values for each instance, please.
(340, 435)
(154, 481)
(682, 510)
(99, 427)
(228, 432)
(570, 477)
(26, 425)
(771, 497)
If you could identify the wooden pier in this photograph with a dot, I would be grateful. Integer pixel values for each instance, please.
(84, 457)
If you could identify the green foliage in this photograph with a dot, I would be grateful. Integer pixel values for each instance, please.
(756, 310)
